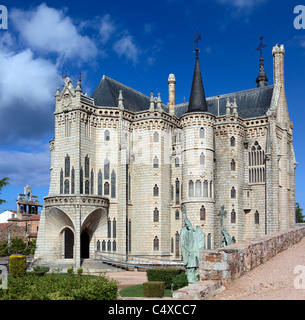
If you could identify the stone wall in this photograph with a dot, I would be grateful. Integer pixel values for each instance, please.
(233, 261)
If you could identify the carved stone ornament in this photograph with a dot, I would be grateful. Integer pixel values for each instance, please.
(67, 100)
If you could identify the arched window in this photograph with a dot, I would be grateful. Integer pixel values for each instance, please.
(232, 141)
(177, 243)
(103, 245)
(156, 162)
(98, 245)
(156, 191)
(172, 245)
(72, 180)
(233, 193)
(198, 188)
(201, 133)
(211, 189)
(106, 168)
(156, 215)
(106, 189)
(87, 166)
(113, 184)
(100, 183)
(177, 191)
(114, 245)
(209, 241)
(61, 182)
(191, 188)
(202, 158)
(232, 165)
(177, 162)
(107, 135)
(114, 228)
(81, 181)
(67, 185)
(67, 166)
(92, 181)
(109, 228)
(202, 213)
(233, 216)
(256, 164)
(108, 245)
(177, 215)
(205, 188)
(156, 137)
(87, 187)
(172, 192)
(156, 243)
(256, 217)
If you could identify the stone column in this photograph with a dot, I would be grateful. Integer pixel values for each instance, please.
(77, 236)
(171, 93)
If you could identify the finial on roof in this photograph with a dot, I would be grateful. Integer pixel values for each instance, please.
(262, 79)
(197, 102)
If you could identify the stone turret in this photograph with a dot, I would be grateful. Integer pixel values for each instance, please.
(171, 93)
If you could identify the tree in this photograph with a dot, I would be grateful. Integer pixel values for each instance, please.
(3, 182)
(298, 213)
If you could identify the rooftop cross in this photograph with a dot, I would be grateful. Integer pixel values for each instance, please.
(198, 37)
(261, 46)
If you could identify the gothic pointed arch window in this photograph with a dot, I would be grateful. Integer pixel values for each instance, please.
(113, 184)
(87, 166)
(67, 186)
(156, 243)
(156, 190)
(108, 245)
(198, 188)
(191, 188)
(114, 228)
(256, 164)
(177, 215)
(92, 181)
(232, 141)
(172, 245)
(87, 187)
(72, 180)
(156, 215)
(81, 181)
(205, 188)
(100, 183)
(103, 245)
(156, 162)
(109, 228)
(201, 133)
(233, 165)
(202, 213)
(61, 182)
(256, 217)
(233, 216)
(156, 137)
(177, 162)
(106, 168)
(106, 189)
(202, 158)
(177, 191)
(107, 135)
(233, 193)
(67, 166)
(177, 244)
(114, 245)
(98, 245)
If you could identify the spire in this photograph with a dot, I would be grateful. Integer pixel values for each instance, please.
(197, 101)
(262, 79)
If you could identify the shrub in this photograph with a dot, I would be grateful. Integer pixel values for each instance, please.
(41, 270)
(180, 281)
(17, 265)
(3, 248)
(80, 271)
(18, 246)
(70, 271)
(163, 274)
(153, 289)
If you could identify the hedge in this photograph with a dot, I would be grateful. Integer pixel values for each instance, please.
(17, 265)
(153, 289)
(163, 274)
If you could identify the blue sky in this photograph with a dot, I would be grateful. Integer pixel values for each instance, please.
(138, 43)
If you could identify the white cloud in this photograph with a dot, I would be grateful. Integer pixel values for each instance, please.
(47, 30)
(24, 168)
(242, 4)
(107, 28)
(126, 47)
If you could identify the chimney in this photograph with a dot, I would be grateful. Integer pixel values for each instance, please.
(171, 93)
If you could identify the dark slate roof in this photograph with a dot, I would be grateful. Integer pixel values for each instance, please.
(250, 103)
(107, 92)
(197, 101)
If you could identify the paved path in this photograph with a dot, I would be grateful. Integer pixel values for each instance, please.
(128, 278)
(272, 280)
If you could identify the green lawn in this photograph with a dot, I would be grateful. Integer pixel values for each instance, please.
(137, 291)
